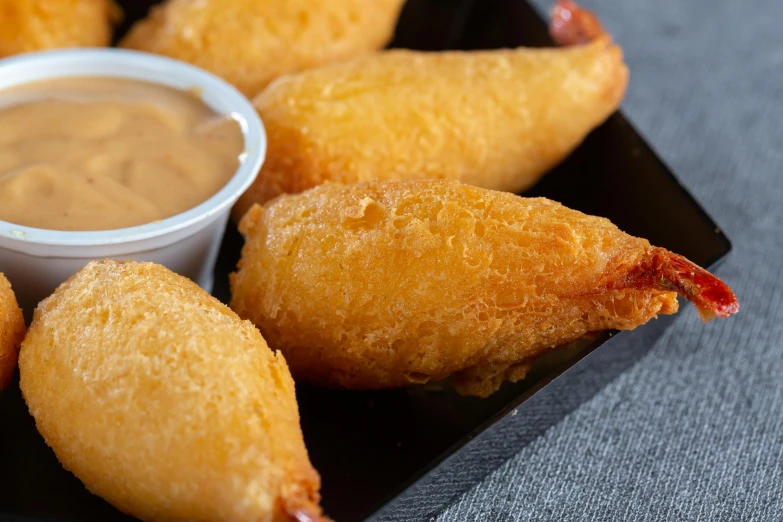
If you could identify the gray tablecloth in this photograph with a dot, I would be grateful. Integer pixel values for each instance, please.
(694, 431)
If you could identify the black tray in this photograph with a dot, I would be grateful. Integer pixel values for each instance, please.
(380, 451)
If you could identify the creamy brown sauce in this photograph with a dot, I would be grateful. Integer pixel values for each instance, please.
(104, 153)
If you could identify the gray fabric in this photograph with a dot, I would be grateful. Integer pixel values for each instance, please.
(695, 430)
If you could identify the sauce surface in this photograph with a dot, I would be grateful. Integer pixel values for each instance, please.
(106, 153)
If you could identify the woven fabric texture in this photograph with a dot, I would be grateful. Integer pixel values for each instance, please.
(694, 431)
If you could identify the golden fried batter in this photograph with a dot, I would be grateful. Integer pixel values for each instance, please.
(495, 119)
(251, 42)
(386, 284)
(163, 402)
(11, 331)
(35, 25)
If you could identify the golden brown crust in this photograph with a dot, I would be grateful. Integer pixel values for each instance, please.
(251, 42)
(386, 284)
(35, 25)
(495, 119)
(12, 330)
(483, 381)
(131, 368)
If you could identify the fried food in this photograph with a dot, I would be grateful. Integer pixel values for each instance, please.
(495, 119)
(162, 401)
(36, 25)
(12, 331)
(387, 284)
(251, 42)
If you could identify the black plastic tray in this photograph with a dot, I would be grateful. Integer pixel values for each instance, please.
(378, 451)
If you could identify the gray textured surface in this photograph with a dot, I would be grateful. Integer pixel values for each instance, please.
(695, 430)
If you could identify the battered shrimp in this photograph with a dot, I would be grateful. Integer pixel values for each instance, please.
(162, 401)
(495, 119)
(36, 25)
(251, 42)
(387, 284)
(12, 331)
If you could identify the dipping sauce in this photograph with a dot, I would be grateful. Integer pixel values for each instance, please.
(106, 153)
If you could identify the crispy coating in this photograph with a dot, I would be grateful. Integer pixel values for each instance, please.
(251, 42)
(386, 284)
(162, 401)
(36, 25)
(12, 331)
(495, 119)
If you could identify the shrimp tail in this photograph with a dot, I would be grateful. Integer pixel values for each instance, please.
(571, 25)
(667, 271)
(304, 510)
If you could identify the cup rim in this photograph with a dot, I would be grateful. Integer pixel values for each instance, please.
(163, 71)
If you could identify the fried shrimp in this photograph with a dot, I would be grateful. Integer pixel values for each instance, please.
(251, 42)
(162, 401)
(12, 331)
(36, 25)
(495, 119)
(387, 284)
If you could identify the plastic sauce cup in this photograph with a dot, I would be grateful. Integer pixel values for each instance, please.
(36, 260)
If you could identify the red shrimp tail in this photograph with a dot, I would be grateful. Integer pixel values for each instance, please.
(307, 515)
(304, 510)
(668, 271)
(571, 25)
